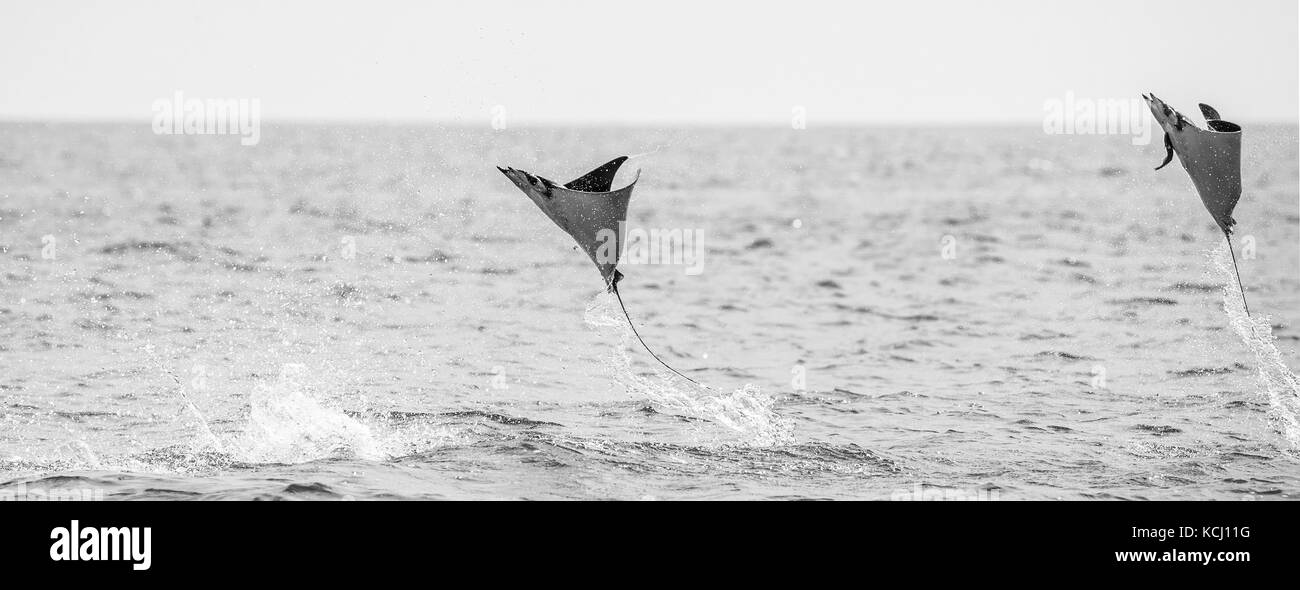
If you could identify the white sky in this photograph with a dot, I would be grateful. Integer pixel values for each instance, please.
(662, 61)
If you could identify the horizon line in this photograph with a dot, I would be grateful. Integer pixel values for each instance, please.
(6, 118)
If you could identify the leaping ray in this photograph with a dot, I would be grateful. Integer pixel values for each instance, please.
(593, 215)
(1212, 157)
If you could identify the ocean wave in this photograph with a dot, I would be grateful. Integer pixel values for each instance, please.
(746, 411)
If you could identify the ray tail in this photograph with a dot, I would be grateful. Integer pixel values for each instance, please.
(1238, 273)
(614, 288)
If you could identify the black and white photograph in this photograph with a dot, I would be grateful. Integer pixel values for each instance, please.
(1010, 251)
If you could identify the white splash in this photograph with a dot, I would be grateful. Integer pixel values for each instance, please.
(747, 410)
(288, 424)
(1280, 385)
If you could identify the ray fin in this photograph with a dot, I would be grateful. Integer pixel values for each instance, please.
(599, 180)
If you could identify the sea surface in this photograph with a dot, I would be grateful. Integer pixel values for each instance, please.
(375, 312)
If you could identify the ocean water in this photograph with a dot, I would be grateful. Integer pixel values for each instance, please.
(374, 312)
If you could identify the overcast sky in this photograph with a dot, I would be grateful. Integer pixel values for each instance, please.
(662, 61)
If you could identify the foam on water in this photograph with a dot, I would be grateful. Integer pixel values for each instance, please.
(746, 411)
(299, 418)
(287, 424)
(1279, 384)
